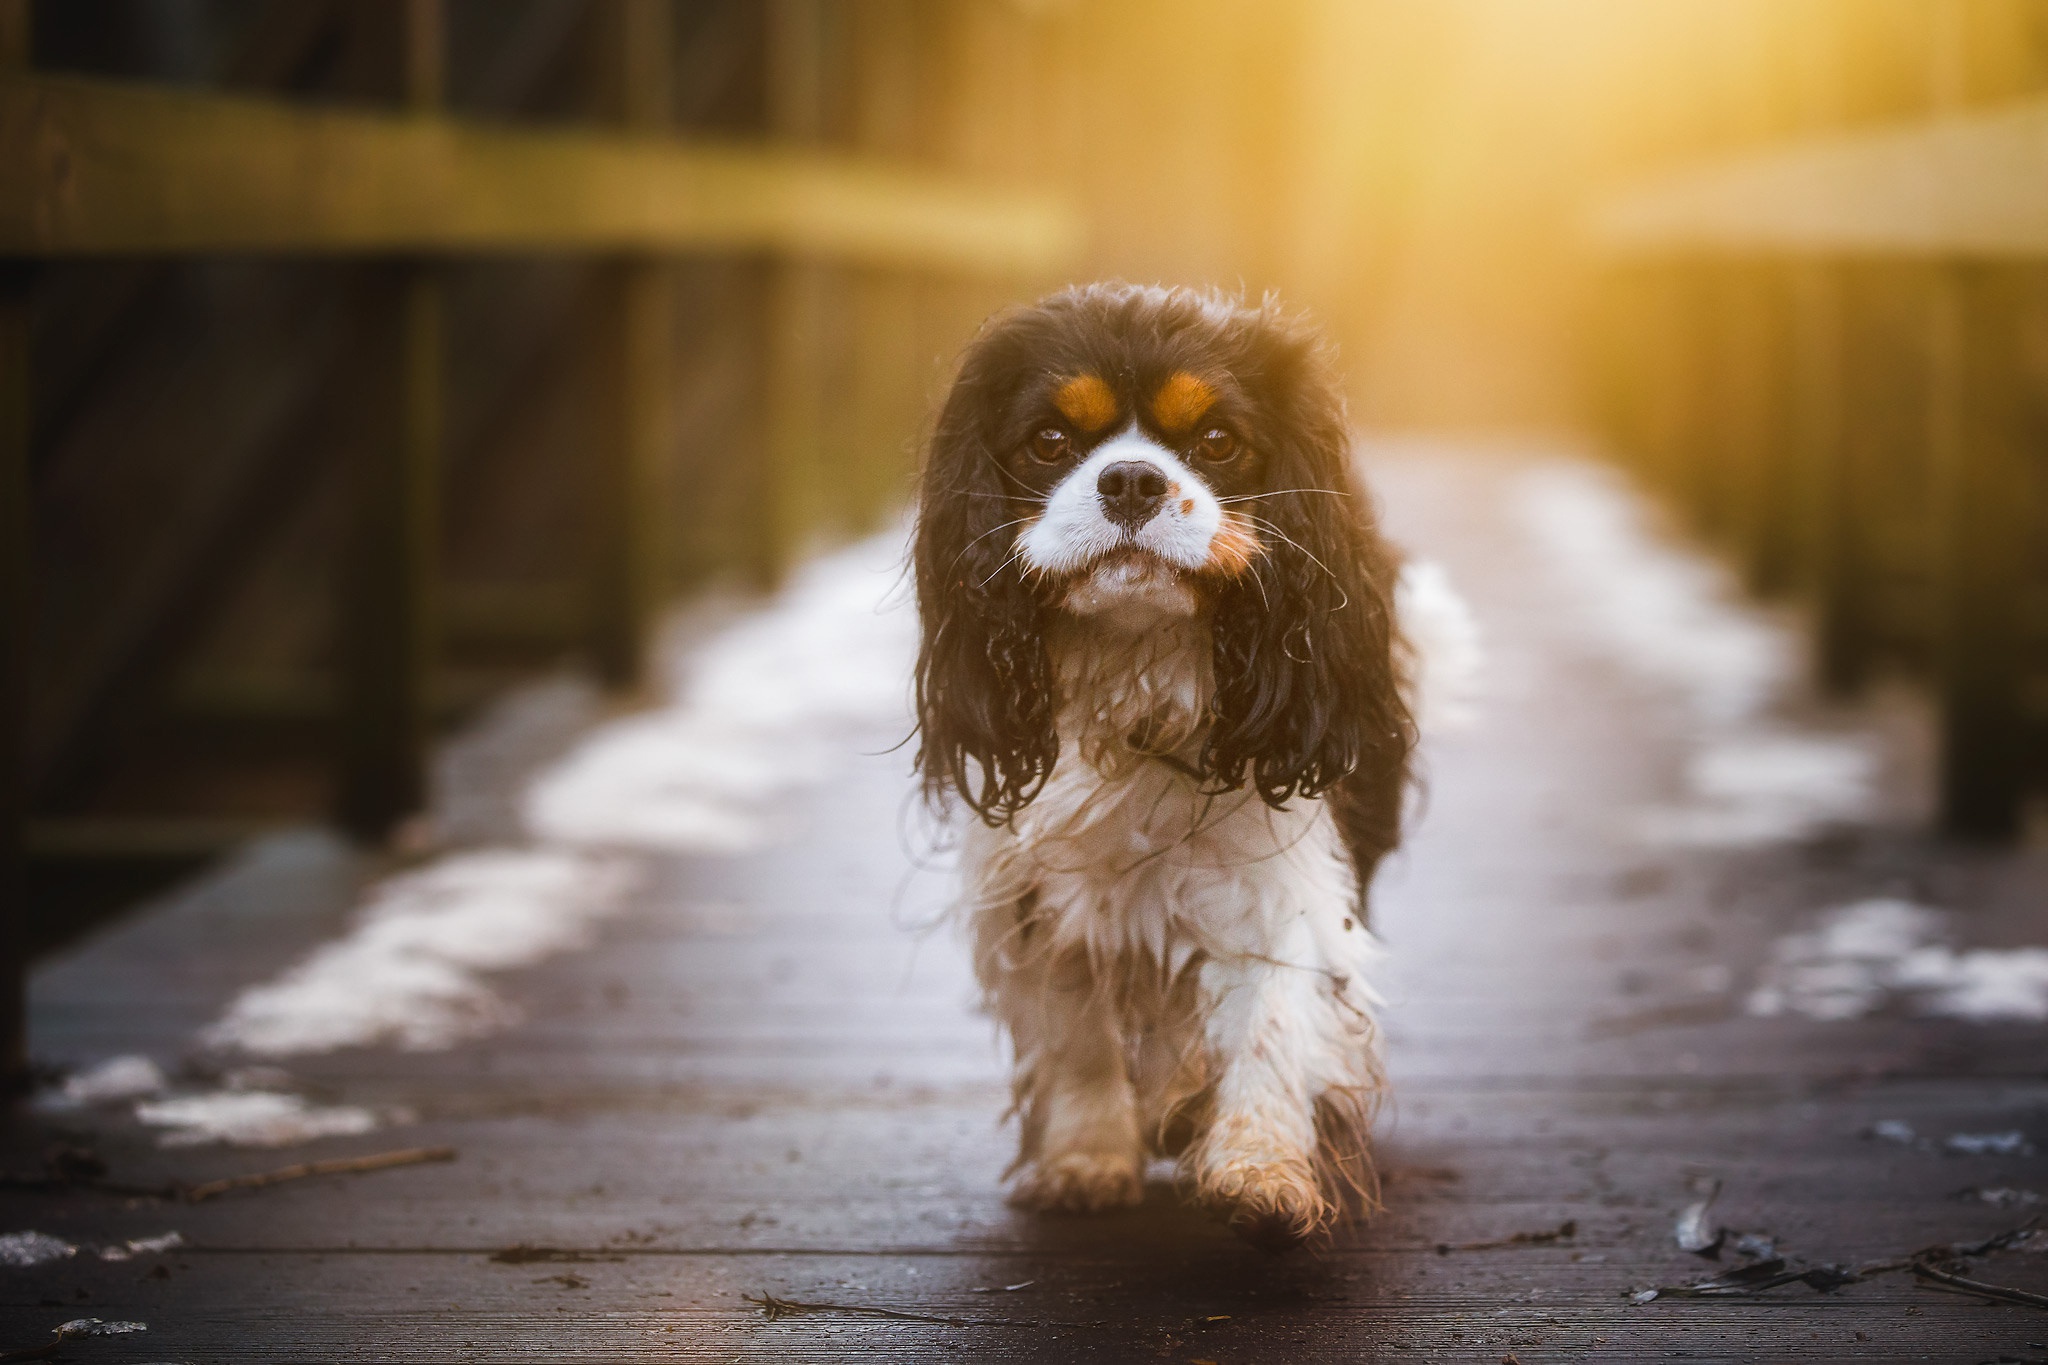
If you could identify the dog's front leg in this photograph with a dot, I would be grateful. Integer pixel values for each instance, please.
(1081, 1149)
(1277, 1042)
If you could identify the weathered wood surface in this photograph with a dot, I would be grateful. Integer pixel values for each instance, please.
(762, 1081)
(92, 168)
(1965, 185)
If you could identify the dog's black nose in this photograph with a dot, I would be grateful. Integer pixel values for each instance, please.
(1131, 492)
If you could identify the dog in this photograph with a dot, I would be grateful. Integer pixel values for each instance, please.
(1160, 664)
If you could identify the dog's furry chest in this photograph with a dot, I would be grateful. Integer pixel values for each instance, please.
(1123, 850)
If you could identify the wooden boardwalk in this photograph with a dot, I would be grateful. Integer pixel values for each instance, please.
(758, 1081)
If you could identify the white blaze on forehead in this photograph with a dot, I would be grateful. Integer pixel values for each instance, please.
(1074, 530)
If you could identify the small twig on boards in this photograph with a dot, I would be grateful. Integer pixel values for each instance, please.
(347, 1165)
(2000, 1292)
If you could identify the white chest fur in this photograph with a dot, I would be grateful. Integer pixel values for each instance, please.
(1125, 853)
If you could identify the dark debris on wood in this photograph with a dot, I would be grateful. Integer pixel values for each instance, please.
(524, 1254)
(71, 1169)
(1563, 1232)
(775, 1309)
(66, 1332)
(1939, 1265)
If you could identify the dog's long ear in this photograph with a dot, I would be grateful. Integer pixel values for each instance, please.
(984, 694)
(1306, 692)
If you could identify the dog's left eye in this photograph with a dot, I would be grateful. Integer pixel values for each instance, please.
(1216, 446)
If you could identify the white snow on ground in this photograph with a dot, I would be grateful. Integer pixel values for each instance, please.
(1673, 616)
(766, 705)
(117, 1078)
(762, 708)
(1863, 957)
(21, 1249)
(1446, 651)
(410, 970)
(254, 1118)
(142, 1246)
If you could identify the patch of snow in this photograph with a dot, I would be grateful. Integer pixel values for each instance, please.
(1862, 956)
(2010, 1143)
(23, 1249)
(762, 708)
(1668, 614)
(1673, 617)
(1446, 649)
(114, 1080)
(1982, 984)
(409, 971)
(142, 1246)
(765, 705)
(252, 1118)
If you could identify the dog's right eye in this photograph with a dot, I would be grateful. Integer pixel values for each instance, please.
(1050, 445)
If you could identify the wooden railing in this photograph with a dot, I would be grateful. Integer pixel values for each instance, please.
(1831, 352)
(98, 169)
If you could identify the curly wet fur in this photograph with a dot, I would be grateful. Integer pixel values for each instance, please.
(1181, 805)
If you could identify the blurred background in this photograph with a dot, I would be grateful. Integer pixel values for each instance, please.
(362, 358)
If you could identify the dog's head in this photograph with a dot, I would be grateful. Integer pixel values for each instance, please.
(1135, 455)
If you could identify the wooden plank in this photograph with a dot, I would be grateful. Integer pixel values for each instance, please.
(789, 497)
(388, 606)
(391, 609)
(119, 838)
(1744, 465)
(1983, 498)
(1886, 334)
(1968, 185)
(17, 428)
(636, 328)
(423, 54)
(97, 168)
(888, 399)
(16, 598)
(16, 20)
(1819, 355)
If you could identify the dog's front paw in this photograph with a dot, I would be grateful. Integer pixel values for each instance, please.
(1272, 1204)
(1079, 1182)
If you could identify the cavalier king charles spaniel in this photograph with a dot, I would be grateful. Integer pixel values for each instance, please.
(1160, 662)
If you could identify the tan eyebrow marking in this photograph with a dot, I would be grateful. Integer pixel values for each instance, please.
(1086, 402)
(1181, 401)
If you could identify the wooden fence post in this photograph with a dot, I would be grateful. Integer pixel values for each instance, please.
(388, 617)
(16, 605)
(1825, 505)
(16, 608)
(1980, 505)
(886, 394)
(1701, 474)
(1670, 362)
(1752, 405)
(636, 322)
(793, 313)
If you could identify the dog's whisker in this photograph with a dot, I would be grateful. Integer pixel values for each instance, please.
(1279, 492)
(1015, 555)
(1269, 526)
(984, 536)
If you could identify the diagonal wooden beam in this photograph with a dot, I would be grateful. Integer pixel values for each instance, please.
(94, 168)
(1974, 185)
